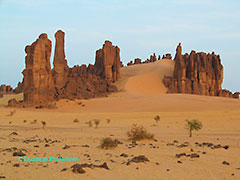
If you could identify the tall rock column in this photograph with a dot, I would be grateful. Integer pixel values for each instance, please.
(60, 69)
(107, 63)
(38, 87)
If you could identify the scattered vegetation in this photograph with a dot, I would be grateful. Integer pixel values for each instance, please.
(193, 125)
(157, 118)
(139, 133)
(108, 143)
(89, 123)
(108, 120)
(96, 122)
(43, 124)
(76, 120)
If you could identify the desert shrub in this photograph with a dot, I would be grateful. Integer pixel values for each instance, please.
(157, 118)
(139, 133)
(43, 124)
(193, 125)
(108, 143)
(96, 122)
(89, 123)
(75, 120)
(108, 120)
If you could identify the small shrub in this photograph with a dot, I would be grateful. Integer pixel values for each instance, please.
(96, 122)
(89, 123)
(193, 125)
(76, 120)
(43, 124)
(157, 118)
(108, 143)
(139, 133)
(108, 120)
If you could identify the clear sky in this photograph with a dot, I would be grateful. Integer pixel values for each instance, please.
(138, 27)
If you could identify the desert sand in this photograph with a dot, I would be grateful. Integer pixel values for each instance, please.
(142, 96)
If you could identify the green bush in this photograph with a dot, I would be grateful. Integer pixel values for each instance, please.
(193, 125)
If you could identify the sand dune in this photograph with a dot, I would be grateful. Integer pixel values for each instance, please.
(146, 78)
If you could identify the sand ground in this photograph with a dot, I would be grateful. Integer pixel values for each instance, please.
(142, 97)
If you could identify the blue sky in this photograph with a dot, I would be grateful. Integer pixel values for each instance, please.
(138, 27)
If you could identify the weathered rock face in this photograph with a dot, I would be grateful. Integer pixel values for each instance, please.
(107, 63)
(61, 69)
(197, 73)
(38, 84)
(19, 88)
(84, 82)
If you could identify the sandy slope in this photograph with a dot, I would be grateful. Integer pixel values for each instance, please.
(141, 99)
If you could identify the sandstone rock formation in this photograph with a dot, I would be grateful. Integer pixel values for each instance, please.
(6, 89)
(137, 61)
(167, 56)
(197, 73)
(61, 69)
(38, 84)
(19, 88)
(84, 82)
(107, 62)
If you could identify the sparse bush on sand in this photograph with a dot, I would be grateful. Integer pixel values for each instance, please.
(193, 125)
(139, 133)
(89, 123)
(157, 118)
(96, 122)
(108, 143)
(44, 124)
(108, 120)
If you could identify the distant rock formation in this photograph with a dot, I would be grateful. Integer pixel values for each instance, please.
(19, 88)
(153, 58)
(197, 73)
(6, 89)
(107, 62)
(137, 61)
(167, 56)
(38, 86)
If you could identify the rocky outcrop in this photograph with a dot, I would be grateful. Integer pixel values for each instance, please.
(137, 61)
(236, 95)
(167, 56)
(61, 69)
(38, 86)
(84, 82)
(41, 85)
(197, 73)
(107, 62)
(19, 88)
